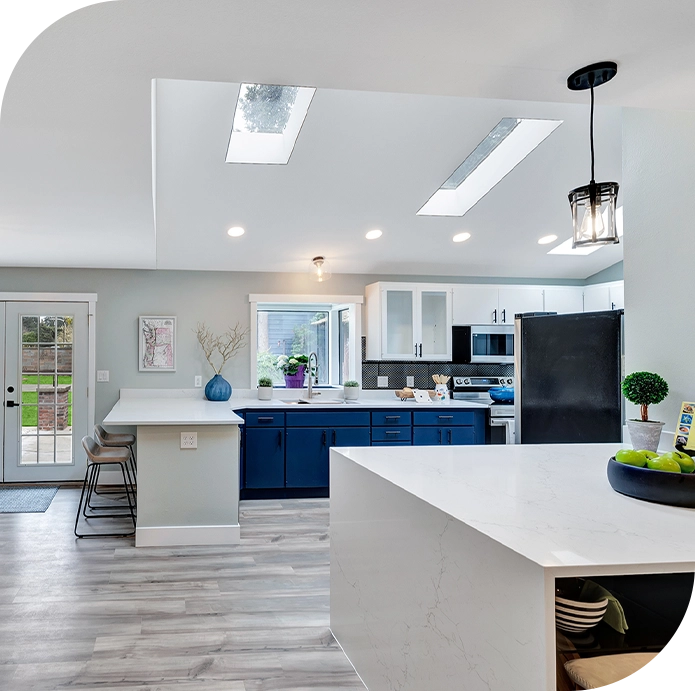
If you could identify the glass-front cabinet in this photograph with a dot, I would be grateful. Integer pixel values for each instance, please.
(408, 322)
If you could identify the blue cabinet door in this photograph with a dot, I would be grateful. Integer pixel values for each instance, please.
(306, 459)
(264, 458)
(350, 436)
(428, 436)
(459, 436)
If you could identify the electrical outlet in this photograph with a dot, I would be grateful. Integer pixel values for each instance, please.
(382, 382)
(410, 381)
(198, 381)
(189, 440)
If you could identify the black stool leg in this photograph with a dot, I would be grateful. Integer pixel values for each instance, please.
(79, 506)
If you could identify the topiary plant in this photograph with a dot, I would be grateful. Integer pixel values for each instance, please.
(265, 382)
(645, 389)
(351, 383)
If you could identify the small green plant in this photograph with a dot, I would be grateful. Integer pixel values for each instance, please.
(265, 382)
(644, 389)
(350, 383)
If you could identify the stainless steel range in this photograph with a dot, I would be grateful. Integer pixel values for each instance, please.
(477, 389)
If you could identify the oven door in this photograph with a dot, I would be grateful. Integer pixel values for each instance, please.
(492, 344)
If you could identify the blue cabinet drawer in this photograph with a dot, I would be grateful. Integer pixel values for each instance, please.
(444, 436)
(320, 418)
(442, 417)
(391, 418)
(265, 419)
(391, 434)
(391, 443)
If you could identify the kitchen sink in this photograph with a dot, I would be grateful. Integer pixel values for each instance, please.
(317, 401)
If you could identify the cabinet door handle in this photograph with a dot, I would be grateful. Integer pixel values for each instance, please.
(504, 316)
(445, 417)
(449, 435)
(323, 438)
(440, 435)
(280, 438)
(333, 443)
(416, 350)
(420, 349)
(612, 305)
(494, 316)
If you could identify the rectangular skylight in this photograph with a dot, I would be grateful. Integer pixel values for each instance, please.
(267, 121)
(566, 246)
(509, 143)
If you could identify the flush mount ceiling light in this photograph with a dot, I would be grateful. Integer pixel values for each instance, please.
(236, 232)
(547, 239)
(509, 143)
(267, 121)
(593, 205)
(320, 269)
(461, 237)
(373, 234)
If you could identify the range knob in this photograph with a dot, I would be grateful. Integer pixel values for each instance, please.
(510, 381)
(466, 381)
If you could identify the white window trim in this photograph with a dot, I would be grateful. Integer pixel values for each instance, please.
(353, 301)
(91, 300)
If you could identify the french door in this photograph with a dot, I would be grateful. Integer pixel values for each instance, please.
(46, 348)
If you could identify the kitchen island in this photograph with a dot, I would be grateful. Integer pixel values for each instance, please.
(186, 496)
(444, 560)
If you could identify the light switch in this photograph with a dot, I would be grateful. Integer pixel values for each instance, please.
(189, 440)
(410, 381)
(102, 375)
(382, 382)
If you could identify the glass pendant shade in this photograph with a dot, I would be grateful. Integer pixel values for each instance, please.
(593, 214)
(320, 269)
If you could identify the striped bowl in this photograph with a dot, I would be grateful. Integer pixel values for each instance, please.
(574, 617)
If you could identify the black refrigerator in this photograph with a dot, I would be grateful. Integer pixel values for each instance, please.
(567, 371)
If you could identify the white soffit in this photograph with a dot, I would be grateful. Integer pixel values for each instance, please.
(507, 145)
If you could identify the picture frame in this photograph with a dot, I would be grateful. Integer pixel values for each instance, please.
(157, 344)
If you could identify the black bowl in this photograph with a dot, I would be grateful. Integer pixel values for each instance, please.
(675, 489)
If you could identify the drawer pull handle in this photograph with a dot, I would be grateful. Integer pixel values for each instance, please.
(393, 431)
(265, 419)
(445, 417)
(392, 417)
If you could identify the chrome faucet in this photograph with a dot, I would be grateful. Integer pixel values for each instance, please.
(310, 387)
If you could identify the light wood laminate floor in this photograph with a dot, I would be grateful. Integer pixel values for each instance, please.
(101, 614)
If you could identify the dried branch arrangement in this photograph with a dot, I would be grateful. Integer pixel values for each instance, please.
(227, 345)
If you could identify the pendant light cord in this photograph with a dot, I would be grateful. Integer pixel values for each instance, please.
(591, 134)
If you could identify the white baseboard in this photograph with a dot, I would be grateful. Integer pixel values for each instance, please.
(180, 535)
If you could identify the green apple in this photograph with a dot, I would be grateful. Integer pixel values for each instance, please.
(664, 462)
(686, 463)
(631, 457)
(648, 454)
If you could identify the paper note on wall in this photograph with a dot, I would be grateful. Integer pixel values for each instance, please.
(684, 426)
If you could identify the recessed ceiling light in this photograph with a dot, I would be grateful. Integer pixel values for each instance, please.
(267, 121)
(507, 144)
(461, 237)
(547, 239)
(236, 232)
(373, 234)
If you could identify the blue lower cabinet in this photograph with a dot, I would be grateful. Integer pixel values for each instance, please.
(351, 436)
(443, 436)
(265, 458)
(306, 457)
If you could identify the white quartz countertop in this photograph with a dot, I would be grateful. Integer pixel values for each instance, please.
(334, 402)
(551, 503)
(171, 411)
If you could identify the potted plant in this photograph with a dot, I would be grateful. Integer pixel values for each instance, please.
(351, 390)
(265, 388)
(645, 389)
(225, 347)
(294, 369)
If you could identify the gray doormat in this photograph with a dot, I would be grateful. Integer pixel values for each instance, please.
(26, 499)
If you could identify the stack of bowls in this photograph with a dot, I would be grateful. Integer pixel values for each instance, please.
(573, 616)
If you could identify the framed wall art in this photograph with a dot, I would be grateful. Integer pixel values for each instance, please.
(157, 344)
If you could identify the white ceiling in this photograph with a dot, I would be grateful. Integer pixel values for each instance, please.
(75, 128)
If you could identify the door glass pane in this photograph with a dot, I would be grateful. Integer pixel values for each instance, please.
(46, 390)
(399, 322)
(434, 335)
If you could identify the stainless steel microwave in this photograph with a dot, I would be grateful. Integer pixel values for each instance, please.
(483, 343)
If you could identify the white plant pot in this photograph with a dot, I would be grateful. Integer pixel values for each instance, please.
(265, 393)
(351, 393)
(645, 435)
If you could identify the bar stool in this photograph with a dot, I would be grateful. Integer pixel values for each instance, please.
(644, 671)
(101, 456)
(110, 439)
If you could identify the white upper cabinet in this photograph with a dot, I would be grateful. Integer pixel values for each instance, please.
(408, 321)
(476, 304)
(564, 299)
(515, 299)
(604, 296)
(616, 292)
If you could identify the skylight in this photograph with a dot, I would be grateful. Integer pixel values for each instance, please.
(267, 121)
(566, 246)
(509, 143)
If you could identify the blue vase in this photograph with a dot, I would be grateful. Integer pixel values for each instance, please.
(218, 389)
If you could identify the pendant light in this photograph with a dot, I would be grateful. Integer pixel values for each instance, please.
(320, 269)
(593, 205)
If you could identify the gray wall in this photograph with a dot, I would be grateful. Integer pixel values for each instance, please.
(218, 298)
(658, 177)
(612, 273)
